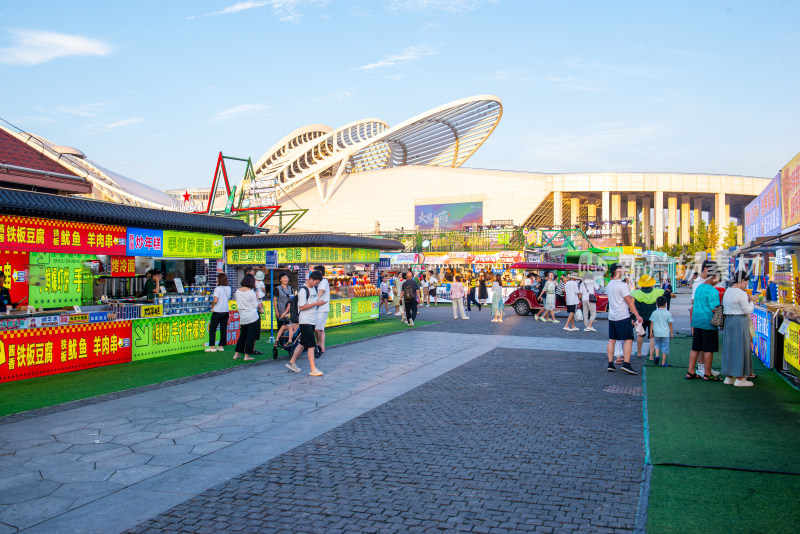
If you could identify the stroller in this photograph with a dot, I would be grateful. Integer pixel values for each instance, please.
(289, 345)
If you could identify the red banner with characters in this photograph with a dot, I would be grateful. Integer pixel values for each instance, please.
(123, 266)
(47, 235)
(48, 351)
(15, 267)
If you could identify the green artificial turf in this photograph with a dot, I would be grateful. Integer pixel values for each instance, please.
(695, 500)
(34, 393)
(711, 424)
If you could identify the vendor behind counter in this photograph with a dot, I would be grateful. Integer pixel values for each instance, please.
(153, 285)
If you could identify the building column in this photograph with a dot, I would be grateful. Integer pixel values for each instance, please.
(739, 235)
(616, 213)
(719, 217)
(658, 219)
(685, 234)
(672, 220)
(558, 208)
(698, 211)
(634, 217)
(574, 211)
(606, 206)
(646, 221)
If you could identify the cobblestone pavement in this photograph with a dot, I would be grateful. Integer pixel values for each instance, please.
(110, 465)
(514, 440)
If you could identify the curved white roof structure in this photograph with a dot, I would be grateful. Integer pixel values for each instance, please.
(445, 136)
(106, 184)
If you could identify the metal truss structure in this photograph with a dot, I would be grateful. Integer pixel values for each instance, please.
(445, 136)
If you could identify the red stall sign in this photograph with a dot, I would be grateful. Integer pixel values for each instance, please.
(48, 351)
(123, 266)
(15, 267)
(47, 235)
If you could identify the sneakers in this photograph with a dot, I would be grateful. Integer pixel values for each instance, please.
(628, 369)
(537, 317)
(574, 329)
(611, 367)
(592, 329)
(315, 372)
(411, 322)
(567, 329)
(587, 329)
(211, 349)
(292, 367)
(220, 348)
(404, 320)
(743, 383)
(715, 373)
(554, 321)
(729, 380)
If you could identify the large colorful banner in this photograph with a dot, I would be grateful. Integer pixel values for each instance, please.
(191, 245)
(47, 235)
(448, 216)
(174, 334)
(790, 192)
(256, 256)
(364, 308)
(15, 267)
(57, 280)
(761, 344)
(47, 351)
(762, 217)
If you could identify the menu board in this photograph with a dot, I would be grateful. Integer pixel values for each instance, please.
(47, 235)
(191, 245)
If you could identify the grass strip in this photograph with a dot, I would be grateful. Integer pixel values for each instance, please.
(44, 391)
(692, 500)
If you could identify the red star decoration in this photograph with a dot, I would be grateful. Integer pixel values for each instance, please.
(186, 196)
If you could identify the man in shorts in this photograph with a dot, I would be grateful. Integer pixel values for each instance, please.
(307, 305)
(324, 292)
(620, 327)
(698, 281)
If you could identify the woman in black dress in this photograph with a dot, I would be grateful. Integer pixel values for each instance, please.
(483, 293)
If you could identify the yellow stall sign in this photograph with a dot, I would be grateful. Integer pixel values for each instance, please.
(791, 345)
(152, 311)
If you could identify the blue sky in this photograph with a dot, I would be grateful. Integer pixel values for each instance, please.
(154, 90)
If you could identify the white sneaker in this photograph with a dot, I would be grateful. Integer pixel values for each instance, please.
(220, 348)
(554, 321)
(315, 372)
(567, 329)
(403, 320)
(715, 373)
(729, 380)
(465, 318)
(574, 329)
(537, 317)
(292, 367)
(211, 349)
(743, 383)
(587, 329)
(591, 329)
(411, 322)
(398, 313)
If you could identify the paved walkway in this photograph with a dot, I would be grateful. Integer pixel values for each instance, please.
(112, 465)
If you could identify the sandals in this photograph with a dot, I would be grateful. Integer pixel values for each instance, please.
(711, 378)
(691, 376)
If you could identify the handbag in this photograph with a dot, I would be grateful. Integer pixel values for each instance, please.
(718, 319)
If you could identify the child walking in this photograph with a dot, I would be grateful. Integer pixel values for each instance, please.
(661, 322)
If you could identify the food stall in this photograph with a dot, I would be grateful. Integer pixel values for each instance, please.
(351, 264)
(63, 258)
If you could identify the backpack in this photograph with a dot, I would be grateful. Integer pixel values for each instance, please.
(408, 293)
(294, 308)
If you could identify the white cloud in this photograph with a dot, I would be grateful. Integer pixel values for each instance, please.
(438, 6)
(125, 122)
(337, 95)
(413, 53)
(34, 47)
(285, 10)
(242, 110)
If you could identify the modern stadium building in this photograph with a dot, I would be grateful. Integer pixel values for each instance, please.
(367, 176)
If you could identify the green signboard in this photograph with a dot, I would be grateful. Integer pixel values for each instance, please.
(162, 336)
(57, 280)
(191, 245)
(364, 308)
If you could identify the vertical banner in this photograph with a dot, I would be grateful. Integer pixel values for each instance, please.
(15, 267)
(761, 345)
(791, 345)
(790, 192)
(47, 351)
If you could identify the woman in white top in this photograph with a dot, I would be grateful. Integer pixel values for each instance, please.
(219, 314)
(588, 290)
(737, 362)
(497, 299)
(385, 292)
(250, 308)
(424, 285)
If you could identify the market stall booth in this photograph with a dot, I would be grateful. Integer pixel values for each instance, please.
(351, 265)
(72, 280)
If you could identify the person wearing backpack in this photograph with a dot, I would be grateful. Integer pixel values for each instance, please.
(410, 291)
(307, 305)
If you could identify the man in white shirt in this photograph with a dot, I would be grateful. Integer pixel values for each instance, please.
(307, 304)
(324, 291)
(699, 281)
(620, 327)
(572, 297)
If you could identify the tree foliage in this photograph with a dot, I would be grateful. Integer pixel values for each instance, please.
(731, 236)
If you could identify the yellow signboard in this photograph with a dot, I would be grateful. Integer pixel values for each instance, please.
(152, 311)
(791, 345)
(340, 312)
(790, 192)
(266, 315)
(255, 256)
(191, 245)
(329, 255)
